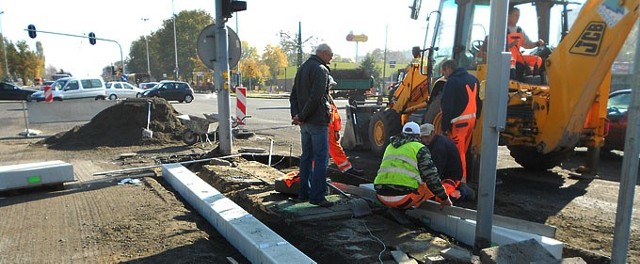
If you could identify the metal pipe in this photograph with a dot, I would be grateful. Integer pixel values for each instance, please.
(159, 165)
(628, 179)
(493, 121)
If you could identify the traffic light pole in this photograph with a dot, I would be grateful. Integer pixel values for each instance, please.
(221, 80)
(82, 36)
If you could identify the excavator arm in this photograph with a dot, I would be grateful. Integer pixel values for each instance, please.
(578, 66)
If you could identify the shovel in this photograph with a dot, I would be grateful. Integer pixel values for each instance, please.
(147, 133)
(360, 206)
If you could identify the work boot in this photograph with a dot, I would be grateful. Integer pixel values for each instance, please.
(355, 172)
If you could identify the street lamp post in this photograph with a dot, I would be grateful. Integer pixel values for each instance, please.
(146, 40)
(4, 49)
(175, 40)
(297, 41)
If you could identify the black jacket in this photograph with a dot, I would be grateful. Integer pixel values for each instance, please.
(455, 98)
(309, 96)
(445, 156)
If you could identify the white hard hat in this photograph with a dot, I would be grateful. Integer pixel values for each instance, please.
(332, 82)
(411, 128)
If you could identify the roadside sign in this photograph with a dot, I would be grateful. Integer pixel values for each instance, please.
(124, 78)
(207, 46)
(357, 38)
(392, 64)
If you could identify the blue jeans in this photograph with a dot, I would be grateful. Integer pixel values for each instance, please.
(313, 162)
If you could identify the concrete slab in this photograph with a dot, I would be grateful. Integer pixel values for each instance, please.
(525, 252)
(35, 174)
(402, 258)
(252, 238)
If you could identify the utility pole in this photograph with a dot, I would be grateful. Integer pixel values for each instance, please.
(299, 44)
(146, 40)
(4, 49)
(297, 41)
(175, 40)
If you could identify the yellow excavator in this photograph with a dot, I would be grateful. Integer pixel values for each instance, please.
(548, 114)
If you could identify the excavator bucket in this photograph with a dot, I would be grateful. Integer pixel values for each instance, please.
(356, 131)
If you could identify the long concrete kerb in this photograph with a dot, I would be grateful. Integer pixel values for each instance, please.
(252, 238)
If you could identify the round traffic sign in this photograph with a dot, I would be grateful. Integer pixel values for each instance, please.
(207, 46)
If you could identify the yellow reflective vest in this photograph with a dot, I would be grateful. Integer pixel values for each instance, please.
(400, 166)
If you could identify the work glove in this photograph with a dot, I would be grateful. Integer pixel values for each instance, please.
(445, 202)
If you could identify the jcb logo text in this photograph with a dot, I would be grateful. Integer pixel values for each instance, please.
(590, 39)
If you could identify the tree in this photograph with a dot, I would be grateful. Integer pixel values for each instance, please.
(369, 65)
(23, 62)
(162, 50)
(254, 72)
(275, 59)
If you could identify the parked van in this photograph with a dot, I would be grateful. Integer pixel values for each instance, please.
(75, 88)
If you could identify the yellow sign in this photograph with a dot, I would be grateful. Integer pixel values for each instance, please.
(357, 38)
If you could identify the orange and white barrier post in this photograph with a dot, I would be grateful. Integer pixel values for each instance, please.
(241, 104)
(48, 94)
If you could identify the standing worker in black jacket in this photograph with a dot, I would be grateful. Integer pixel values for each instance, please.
(310, 108)
(460, 105)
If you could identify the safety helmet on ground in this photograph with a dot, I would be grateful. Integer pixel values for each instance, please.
(411, 128)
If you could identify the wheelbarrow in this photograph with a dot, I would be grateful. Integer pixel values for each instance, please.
(198, 128)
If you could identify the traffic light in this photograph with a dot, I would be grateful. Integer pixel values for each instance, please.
(92, 38)
(230, 6)
(32, 31)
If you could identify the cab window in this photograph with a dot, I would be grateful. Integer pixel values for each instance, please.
(72, 85)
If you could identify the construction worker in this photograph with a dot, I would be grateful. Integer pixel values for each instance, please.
(516, 39)
(407, 175)
(460, 104)
(444, 154)
(336, 152)
(521, 64)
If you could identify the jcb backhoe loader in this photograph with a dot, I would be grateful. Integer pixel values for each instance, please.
(548, 115)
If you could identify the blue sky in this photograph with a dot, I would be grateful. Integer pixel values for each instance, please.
(329, 21)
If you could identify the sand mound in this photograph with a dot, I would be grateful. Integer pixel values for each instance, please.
(122, 125)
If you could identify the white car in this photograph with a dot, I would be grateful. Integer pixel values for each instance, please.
(74, 88)
(117, 90)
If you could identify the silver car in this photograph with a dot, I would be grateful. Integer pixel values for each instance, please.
(117, 90)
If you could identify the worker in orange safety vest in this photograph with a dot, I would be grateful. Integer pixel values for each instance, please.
(336, 152)
(460, 105)
(516, 39)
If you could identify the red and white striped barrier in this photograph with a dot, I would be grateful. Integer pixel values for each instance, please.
(48, 94)
(241, 104)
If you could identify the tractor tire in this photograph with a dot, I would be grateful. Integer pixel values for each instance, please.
(533, 160)
(382, 126)
(189, 138)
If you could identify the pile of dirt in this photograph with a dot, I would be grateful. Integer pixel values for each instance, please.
(122, 125)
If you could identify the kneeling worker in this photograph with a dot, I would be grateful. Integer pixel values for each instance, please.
(407, 175)
(444, 154)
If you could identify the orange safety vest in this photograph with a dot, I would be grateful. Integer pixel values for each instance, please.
(336, 152)
(533, 62)
(516, 56)
(462, 128)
